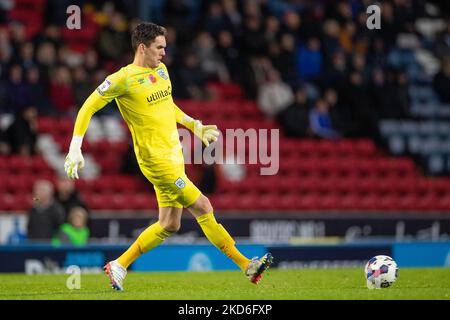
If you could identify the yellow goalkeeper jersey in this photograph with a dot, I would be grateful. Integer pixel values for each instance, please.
(144, 98)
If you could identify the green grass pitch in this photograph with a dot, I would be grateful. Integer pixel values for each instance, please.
(300, 284)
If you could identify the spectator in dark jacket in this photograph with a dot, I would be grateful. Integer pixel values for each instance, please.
(230, 54)
(17, 90)
(68, 196)
(46, 215)
(4, 145)
(441, 82)
(192, 79)
(22, 133)
(38, 91)
(295, 119)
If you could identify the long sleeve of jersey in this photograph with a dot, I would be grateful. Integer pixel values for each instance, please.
(89, 108)
(179, 114)
(111, 88)
(183, 118)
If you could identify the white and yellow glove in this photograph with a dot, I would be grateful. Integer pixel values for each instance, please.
(74, 159)
(206, 133)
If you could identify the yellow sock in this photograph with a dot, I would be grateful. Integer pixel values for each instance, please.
(219, 237)
(130, 255)
(147, 240)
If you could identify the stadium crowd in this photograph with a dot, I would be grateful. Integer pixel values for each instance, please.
(314, 66)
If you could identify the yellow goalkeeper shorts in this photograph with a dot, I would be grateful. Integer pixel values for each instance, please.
(173, 189)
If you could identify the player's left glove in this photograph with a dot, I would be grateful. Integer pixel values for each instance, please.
(206, 133)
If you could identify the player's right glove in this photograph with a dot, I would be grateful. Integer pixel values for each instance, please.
(74, 159)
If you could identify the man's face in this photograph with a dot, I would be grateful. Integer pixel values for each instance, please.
(43, 192)
(65, 187)
(154, 53)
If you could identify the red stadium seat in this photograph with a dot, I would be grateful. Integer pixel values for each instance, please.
(6, 201)
(389, 202)
(328, 201)
(344, 185)
(23, 202)
(95, 201)
(125, 184)
(142, 201)
(84, 186)
(13, 202)
(46, 124)
(349, 201)
(120, 201)
(287, 201)
(443, 203)
(224, 201)
(364, 147)
(39, 166)
(286, 184)
(226, 92)
(18, 184)
(407, 202)
(109, 165)
(308, 201)
(267, 201)
(307, 184)
(248, 201)
(428, 202)
(20, 165)
(103, 184)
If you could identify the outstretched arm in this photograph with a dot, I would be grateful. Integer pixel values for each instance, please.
(206, 133)
(74, 159)
(113, 87)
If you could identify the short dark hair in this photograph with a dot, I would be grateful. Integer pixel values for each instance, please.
(146, 33)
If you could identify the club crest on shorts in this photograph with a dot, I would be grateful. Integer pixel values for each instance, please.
(180, 183)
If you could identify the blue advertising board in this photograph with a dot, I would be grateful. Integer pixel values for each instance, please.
(45, 258)
(167, 257)
(191, 258)
(422, 254)
(204, 257)
(326, 255)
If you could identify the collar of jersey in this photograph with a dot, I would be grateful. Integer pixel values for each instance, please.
(143, 68)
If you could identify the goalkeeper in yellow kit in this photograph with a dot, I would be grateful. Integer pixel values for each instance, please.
(143, 94)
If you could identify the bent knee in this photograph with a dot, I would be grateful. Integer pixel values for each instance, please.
(171, 226)
(203, 205)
